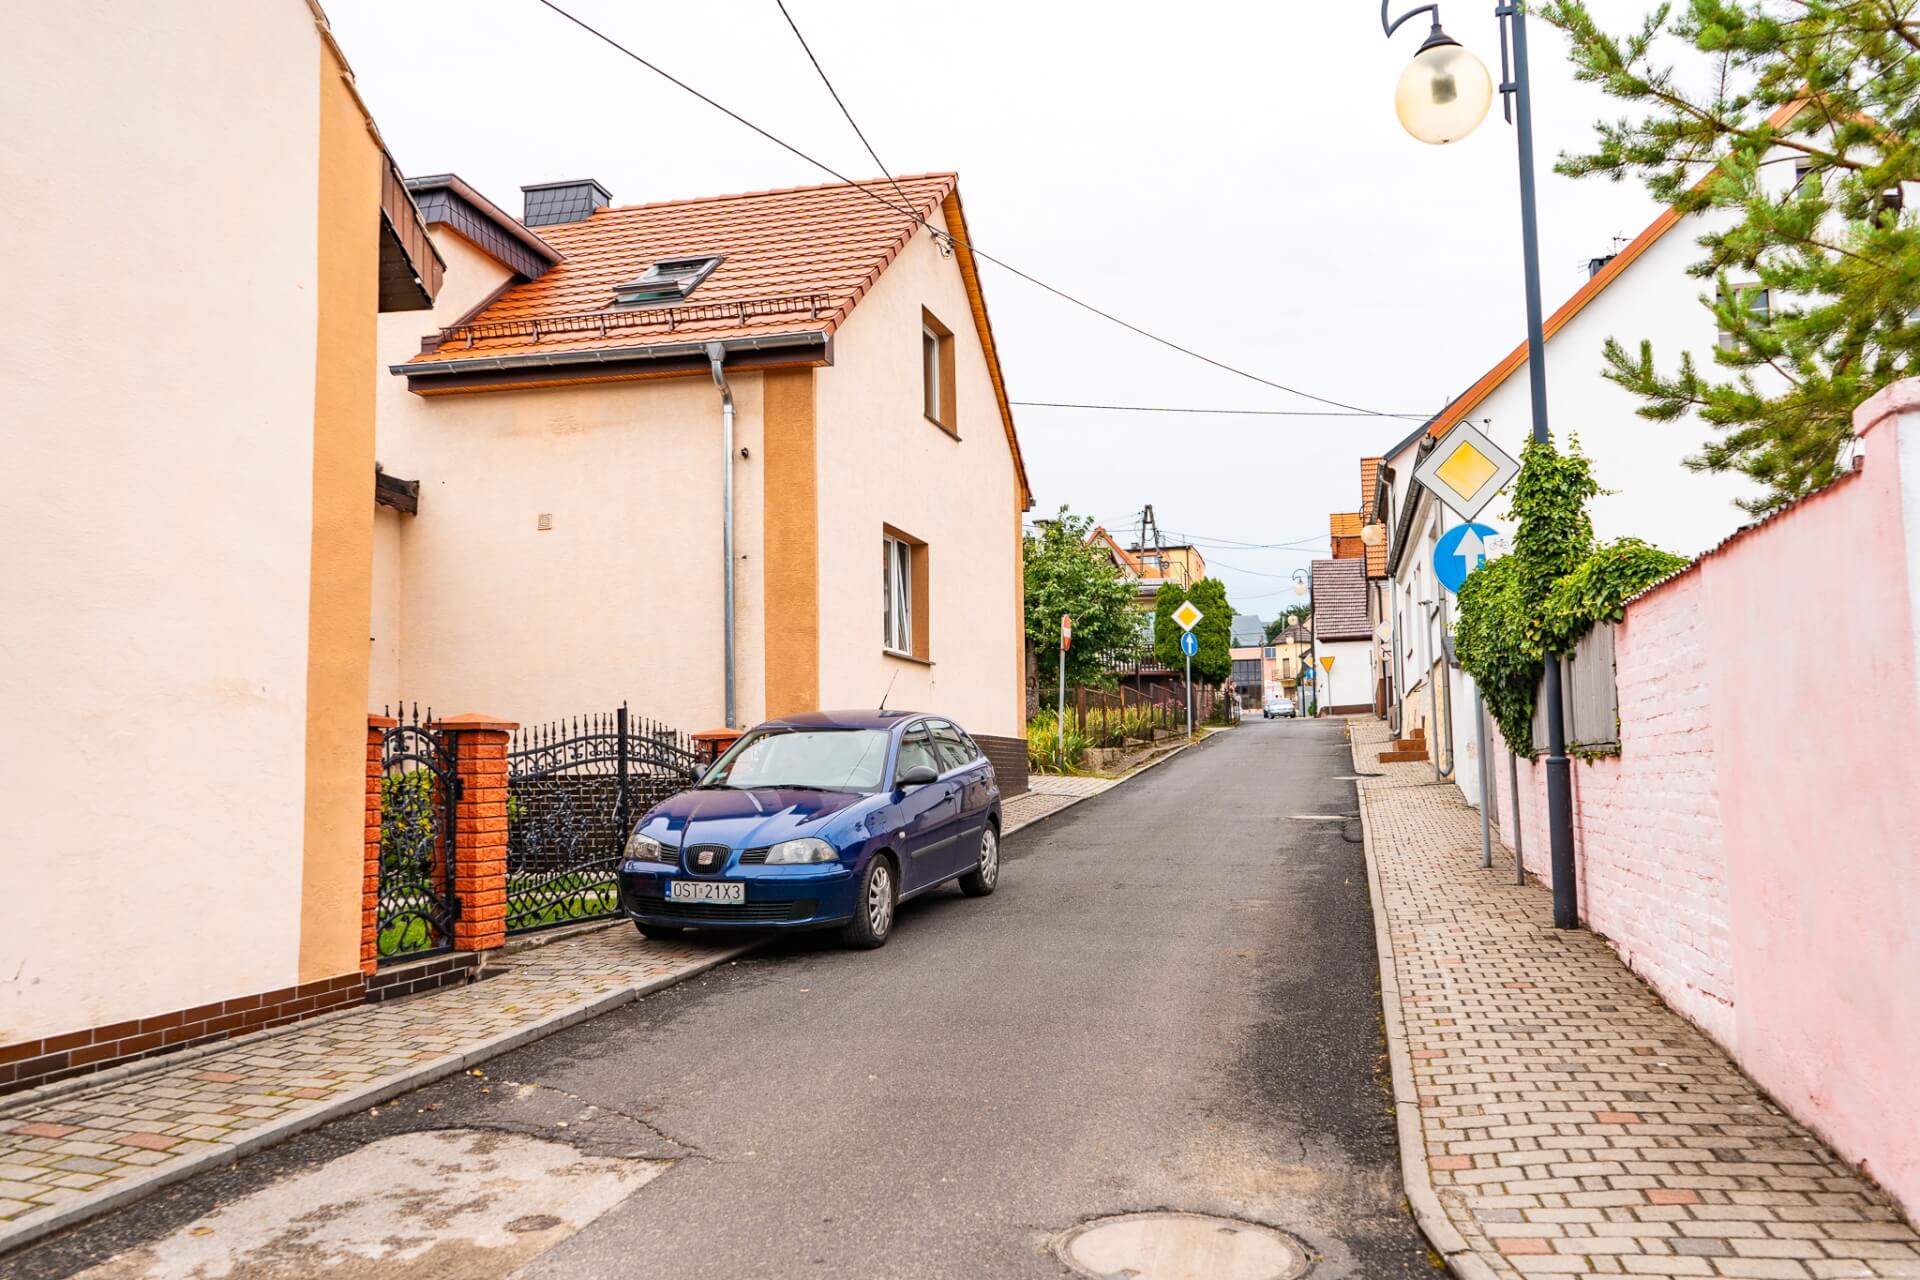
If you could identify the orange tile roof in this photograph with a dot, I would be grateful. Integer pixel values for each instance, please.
(1344, 524)
(1126, 559)
(1449, 417)
(1377, 555)
(1369, 470)
(794, 260)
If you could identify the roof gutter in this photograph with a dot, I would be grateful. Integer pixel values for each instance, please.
(682, 351)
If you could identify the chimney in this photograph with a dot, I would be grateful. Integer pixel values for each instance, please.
(1595, 264)
(551, 202)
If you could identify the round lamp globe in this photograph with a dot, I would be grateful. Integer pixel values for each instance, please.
(1444, 93)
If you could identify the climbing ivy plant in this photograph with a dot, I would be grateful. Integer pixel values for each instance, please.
(1551, 590)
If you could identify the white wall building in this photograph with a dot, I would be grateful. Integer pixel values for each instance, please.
(1643, 292)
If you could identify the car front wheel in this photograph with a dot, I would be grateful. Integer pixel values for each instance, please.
(873, 907)
(979, 882)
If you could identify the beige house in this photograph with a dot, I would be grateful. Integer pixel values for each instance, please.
(721, 458)
(202, 242)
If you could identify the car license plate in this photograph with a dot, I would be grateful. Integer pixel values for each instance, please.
(706, 891)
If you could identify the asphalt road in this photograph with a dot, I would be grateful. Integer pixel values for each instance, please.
(1171, 1002)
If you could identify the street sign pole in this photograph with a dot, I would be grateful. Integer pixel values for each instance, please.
(1188, 617)
(1480, 743)
(1060, 725)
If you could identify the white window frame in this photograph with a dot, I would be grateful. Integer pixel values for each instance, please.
(935, 400)
(896, 595)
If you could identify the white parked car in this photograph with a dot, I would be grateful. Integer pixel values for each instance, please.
(1277, 705)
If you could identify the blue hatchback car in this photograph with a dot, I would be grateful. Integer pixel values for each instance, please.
(827, 819)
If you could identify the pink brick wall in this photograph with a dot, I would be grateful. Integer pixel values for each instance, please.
(1754, 850)
(1647, 843)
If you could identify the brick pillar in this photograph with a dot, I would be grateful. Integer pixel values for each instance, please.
(480, 829)
(713, 743)
(377, 727)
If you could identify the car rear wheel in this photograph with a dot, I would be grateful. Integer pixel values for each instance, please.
(979, 882)
(660, 932)
(873, 907)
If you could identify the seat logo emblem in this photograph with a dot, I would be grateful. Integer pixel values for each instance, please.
(706, 857)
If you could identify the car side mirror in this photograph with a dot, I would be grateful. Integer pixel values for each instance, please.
(918, 775)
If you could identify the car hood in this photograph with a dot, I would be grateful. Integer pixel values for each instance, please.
(748, 818)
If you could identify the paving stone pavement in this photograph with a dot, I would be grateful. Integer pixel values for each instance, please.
(96, 1143)
(85, 1149)
(1573, 1123)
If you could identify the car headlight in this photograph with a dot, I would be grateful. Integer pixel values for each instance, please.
(644, 847)
(806, 849)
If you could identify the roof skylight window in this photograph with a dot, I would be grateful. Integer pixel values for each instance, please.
(666, 281)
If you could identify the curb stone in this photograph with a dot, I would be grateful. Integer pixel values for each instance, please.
(76, 1086)
(138, 1186)
(1428, 1212)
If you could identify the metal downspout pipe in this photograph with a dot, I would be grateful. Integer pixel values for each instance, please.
(1438, 609)
(716, 356)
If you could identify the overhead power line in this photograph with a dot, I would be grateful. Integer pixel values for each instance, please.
(1250, 413)
(866, 190)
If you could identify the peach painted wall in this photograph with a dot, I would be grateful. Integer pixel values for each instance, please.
(159, 510)
(621, 597)
(1752, 851)
(881, 462)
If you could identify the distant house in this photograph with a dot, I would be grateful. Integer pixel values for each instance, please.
(1150, 568)
(1343, 651)
(723, 458)
(205, 230)
(1293, 660)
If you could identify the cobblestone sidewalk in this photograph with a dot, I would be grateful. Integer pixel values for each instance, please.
(1572, 1124)
(89, 1147)
(83, 1151)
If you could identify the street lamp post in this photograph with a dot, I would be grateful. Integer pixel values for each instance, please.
(1442, 96)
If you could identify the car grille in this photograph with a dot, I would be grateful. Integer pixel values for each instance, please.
(714, 868)
(754, 856)
(741, 913)
(669, 855)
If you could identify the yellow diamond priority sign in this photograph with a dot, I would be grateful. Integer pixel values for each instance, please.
(1465, 470)
(1187, 616)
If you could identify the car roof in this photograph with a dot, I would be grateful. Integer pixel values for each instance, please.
(857, 719)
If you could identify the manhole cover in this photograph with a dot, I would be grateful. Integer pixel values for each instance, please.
(1180, 1246)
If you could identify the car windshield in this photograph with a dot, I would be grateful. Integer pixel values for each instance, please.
(822, 759)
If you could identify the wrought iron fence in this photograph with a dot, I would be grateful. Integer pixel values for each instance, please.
(574, 789)
(418, 788)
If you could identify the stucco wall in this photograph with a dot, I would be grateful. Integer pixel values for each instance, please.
(384, 678)
(1753, 856)
(154, 646)
(881, 462)
(1350, 683)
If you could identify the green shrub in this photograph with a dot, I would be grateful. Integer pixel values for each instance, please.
(1043, 745)
(1550, 591)
(1598, 590)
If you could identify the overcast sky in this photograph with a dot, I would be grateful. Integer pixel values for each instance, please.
(1230, 176)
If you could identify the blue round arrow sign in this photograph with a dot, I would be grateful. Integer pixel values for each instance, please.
(1460, 551)
(1189, 644)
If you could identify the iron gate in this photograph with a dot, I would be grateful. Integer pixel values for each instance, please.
(418, 788)
(574, 790)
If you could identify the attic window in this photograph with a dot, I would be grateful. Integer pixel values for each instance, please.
(666, 281)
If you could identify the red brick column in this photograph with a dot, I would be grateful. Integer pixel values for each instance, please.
(480, 829)
(377, 727)
(713, 743)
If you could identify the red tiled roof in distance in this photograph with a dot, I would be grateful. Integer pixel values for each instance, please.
(1376, 555)
(1340, 600)
(1369, 472)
